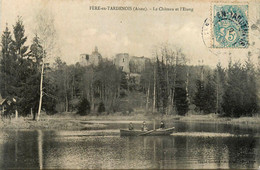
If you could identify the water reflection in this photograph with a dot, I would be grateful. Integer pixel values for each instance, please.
(47, 149)
(245, 156)
(40, 139)
(153, 152)
(19, 150)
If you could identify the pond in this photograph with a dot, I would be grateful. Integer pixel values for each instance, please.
(192, 146)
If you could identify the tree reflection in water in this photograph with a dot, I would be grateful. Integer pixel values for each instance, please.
(46, 149)
(40, 156)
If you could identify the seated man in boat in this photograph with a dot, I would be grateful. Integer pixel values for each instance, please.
(144, 127)
(162, 125)
(130, 126)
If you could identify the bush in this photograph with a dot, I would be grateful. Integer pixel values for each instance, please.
(83, 107)
(74, 104)
(101, 107)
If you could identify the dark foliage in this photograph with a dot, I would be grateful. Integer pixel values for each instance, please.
(101, 107)
(205, 97)
(168, 84)
(123, 82)
(240, 97)
(83, 107)
(181, 102)
(199, 99)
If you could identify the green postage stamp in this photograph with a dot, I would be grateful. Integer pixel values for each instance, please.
(230, 26)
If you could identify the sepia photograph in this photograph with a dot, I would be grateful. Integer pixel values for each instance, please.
(130, 84)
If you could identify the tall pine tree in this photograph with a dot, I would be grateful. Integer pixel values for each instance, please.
(199, 100)
(219, 79)
(7, 63)
(209, 95)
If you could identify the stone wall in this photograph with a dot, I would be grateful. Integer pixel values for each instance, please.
(122, 61)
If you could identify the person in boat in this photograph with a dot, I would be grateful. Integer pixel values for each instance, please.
(130, 126)
(162, 125)
(144, 127)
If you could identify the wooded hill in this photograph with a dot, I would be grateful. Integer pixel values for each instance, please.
(167, 86)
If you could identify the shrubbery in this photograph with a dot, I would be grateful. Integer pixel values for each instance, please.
(101, 107)
(83, 107)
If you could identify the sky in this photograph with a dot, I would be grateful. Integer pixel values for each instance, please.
(138, 33)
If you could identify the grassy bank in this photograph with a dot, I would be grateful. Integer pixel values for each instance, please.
(217, 119)
(64, 121)
(72, 121)
(25, 123)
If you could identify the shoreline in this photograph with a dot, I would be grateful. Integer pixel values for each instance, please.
(71, 121)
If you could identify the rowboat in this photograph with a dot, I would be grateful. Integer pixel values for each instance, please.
(156, 132)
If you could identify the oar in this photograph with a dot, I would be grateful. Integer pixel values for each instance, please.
(146, 133)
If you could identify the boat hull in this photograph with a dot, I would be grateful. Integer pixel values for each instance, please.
(157, 132)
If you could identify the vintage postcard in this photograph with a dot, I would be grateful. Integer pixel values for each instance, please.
(133, 84)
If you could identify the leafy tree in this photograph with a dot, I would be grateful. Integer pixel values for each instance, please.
(147, 82)
(109, 82)
(49, 98)
(61, 80)
(47, 33)
(163, 87)
(158, 85)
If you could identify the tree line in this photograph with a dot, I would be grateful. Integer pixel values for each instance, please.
(168, 85)
(176, 86)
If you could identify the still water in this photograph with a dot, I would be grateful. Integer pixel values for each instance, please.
(194, 145)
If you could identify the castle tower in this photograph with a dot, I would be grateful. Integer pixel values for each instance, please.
(122, 61)
(92, 59)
